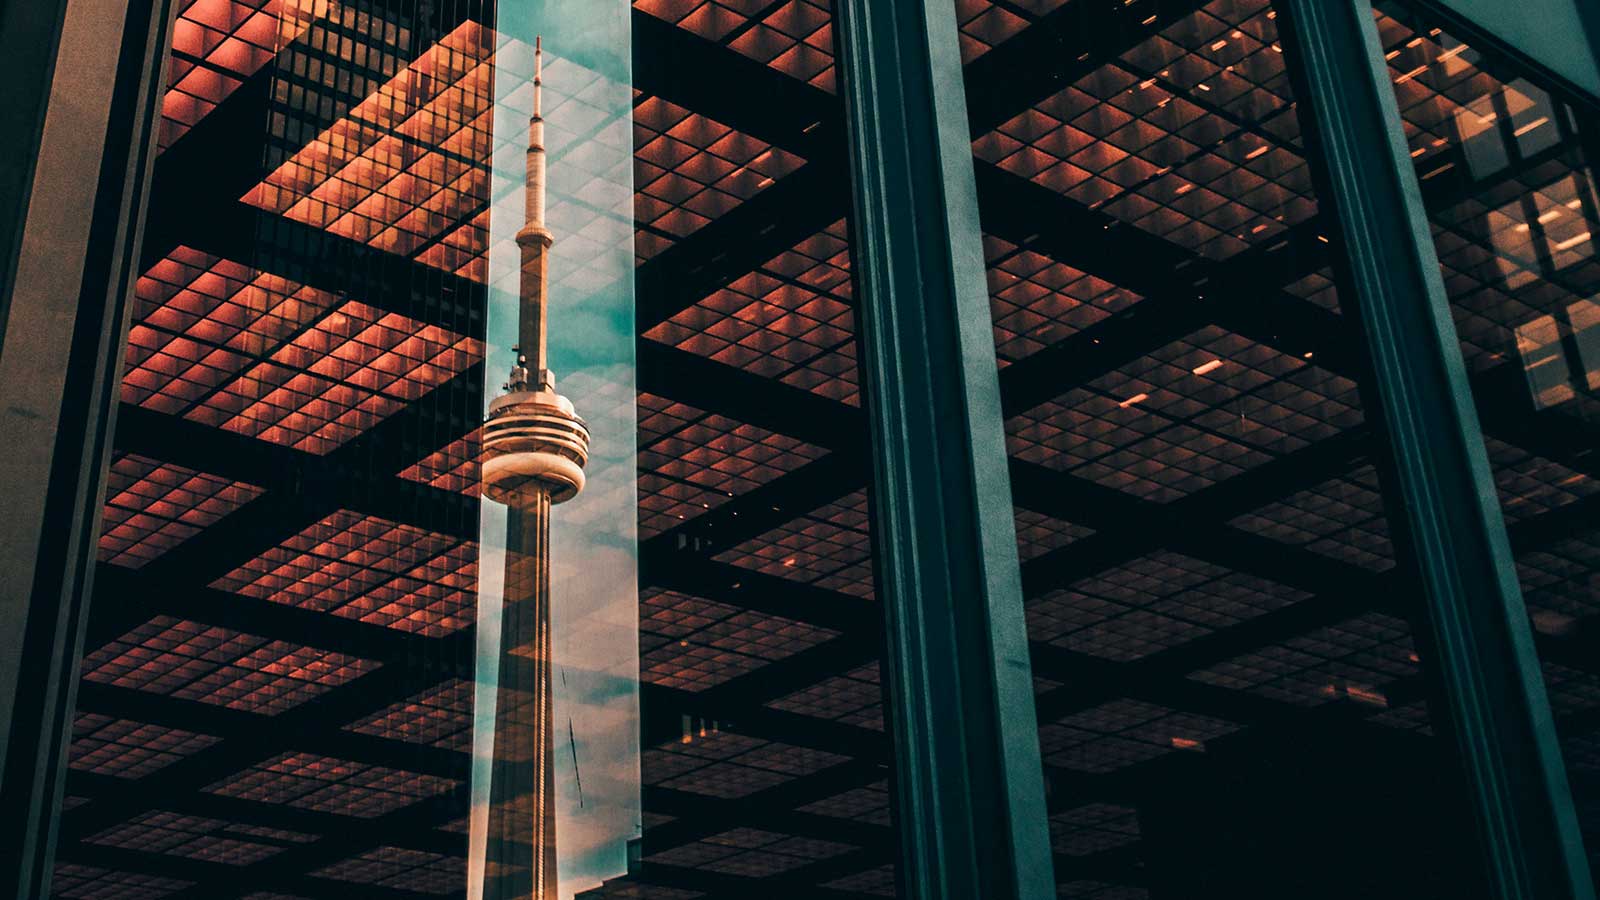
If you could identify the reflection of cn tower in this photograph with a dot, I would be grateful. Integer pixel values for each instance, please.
(534, 450)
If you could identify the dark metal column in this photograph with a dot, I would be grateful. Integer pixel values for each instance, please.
(972, 806)
(1479, 626)
(60, 365)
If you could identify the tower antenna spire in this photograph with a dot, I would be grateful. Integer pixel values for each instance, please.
(538, 77)
(535, 241)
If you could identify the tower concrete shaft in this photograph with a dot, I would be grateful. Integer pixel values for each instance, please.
(534, 451)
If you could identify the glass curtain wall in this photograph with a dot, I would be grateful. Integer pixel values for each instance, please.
(1506, 161)
(1233, 696)
(320, 662)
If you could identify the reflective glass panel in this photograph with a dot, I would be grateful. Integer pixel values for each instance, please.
(1233, 698)
(1507, 167)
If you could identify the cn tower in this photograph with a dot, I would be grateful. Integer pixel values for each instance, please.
(534, 451)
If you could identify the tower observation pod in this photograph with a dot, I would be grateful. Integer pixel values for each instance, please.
(534, 450)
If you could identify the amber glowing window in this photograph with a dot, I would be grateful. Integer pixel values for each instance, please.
(440, 716)
(79, 882)
(456, 467)
(1150, 604)
(1037, 301)
(324, 784)
(217, 45)
(1520, 272)
(1448, 101)
(691, 461)
(1192, 414)
(220, 666)
(689, 170)
(790, 320)
(693, 644)
(350, 371)
(263, 356)
(152, 507)
(107, 746)
(369, 569)
(727, 765)
(1354, 660)
(194, 837)
(406, 169)
(1125, 732)
(750, 853)
(1190, 136)
(854, 698)
(793, 36)
(829, 547)
(986, 24)
(199, 320)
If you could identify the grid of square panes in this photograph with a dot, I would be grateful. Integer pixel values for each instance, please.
(877, 882)
(190, 661)
(256, 354)
(219, 44)
(691, 643)
(1125, 732)
(794, 36)
(852, 698)
(750, 852)
(74, 881)
(790, 320)
(401, 868)
(193, 837)
(1189, 136)
(1152, 603)
(1356, 660)
(727, 765)
(1507, 170)
(1037, 301)
(200, 320)
(152, 507)
(370, 569)
(407, 167)
(1092, 828)
(986, 24)
(1193, 413)
(126, 749)
(326, 784)
(690, 169)
(440, 716)
(455, 467)
(868, 803)
(1038, 534)
(1342, 518)
(691, 461)
(829, 547)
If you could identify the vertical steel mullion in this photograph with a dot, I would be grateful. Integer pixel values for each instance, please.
(970, 785)
(1479, 625)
